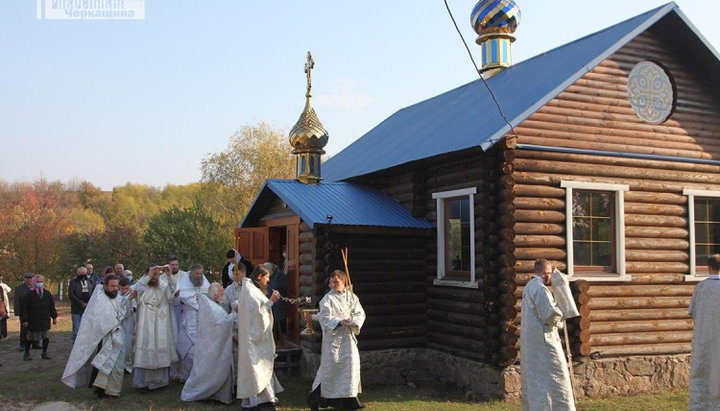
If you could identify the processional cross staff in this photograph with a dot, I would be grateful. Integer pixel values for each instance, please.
(309, 65)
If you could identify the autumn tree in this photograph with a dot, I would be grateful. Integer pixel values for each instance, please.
(191, 234)
(234, 176)
(33, 222)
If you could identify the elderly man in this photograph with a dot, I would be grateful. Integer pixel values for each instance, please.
(154, 340)
(212, 372)
(191, 287)
(544, 372)
(101, 342)
(705, 359)
(38, 307)
(20, 292)
(91, 273)
(79, 291)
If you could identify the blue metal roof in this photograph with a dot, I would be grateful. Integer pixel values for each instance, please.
(467, 117)
(347, 203)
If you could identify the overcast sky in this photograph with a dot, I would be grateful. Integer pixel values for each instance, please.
(103, 101)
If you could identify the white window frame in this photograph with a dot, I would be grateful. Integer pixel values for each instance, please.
(440, 198)
(619, 190)
(691, 194)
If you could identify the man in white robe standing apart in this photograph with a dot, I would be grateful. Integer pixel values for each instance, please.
(191, 287)
(341, 317)
(154, 339)
(212, 372)
(100, 342)
(256, 382)
(543, 368)
(705, 359)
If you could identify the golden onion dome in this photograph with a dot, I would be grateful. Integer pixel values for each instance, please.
(308, 132)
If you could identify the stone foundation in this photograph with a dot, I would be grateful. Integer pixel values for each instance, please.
(594, 378)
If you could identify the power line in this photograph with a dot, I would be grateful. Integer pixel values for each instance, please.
(477, 70)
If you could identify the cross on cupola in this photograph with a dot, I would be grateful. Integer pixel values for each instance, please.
(308, 73)
(308, 136)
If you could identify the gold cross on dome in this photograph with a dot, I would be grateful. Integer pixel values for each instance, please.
(309, 65)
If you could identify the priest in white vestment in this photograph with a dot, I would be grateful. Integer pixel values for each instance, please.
(543, 368)
(191, 287)
(154, 339)
(705, 358)
(256, 382)
(100, 342)
(212, 372)
(341, 316)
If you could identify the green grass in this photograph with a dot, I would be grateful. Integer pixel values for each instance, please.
(45, 385)
(36, 386)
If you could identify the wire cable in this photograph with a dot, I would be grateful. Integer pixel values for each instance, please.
(477, 70)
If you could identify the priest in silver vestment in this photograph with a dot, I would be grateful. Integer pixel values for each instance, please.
(154, 339)
(212, 371)
(543, 367)
(256, 382)
(341, 316)
(705, 359)
(97, 358)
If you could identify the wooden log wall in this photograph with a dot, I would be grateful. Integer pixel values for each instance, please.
(648, 315)
(387, 269)
(463, 321)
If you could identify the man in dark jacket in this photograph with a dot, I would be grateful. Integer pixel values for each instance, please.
(38, 307)
(278, 281)
(80, 290)
(233, 258)
(20, 291)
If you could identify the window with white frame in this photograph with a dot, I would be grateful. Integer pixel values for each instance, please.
(704, 229)
(456, 237)
(595, 230)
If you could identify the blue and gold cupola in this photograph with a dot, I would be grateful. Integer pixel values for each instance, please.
(308, 137)
(495, 22)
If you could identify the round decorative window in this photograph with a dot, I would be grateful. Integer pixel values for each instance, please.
(650, 92)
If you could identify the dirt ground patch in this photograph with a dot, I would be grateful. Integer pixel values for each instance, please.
(58, 350)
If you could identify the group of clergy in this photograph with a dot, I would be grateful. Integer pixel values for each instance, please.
(217, 341)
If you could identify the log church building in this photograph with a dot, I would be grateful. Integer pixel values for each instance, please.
(604, 159)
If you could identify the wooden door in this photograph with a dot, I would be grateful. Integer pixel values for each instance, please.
(253, 243)
(292, 256)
